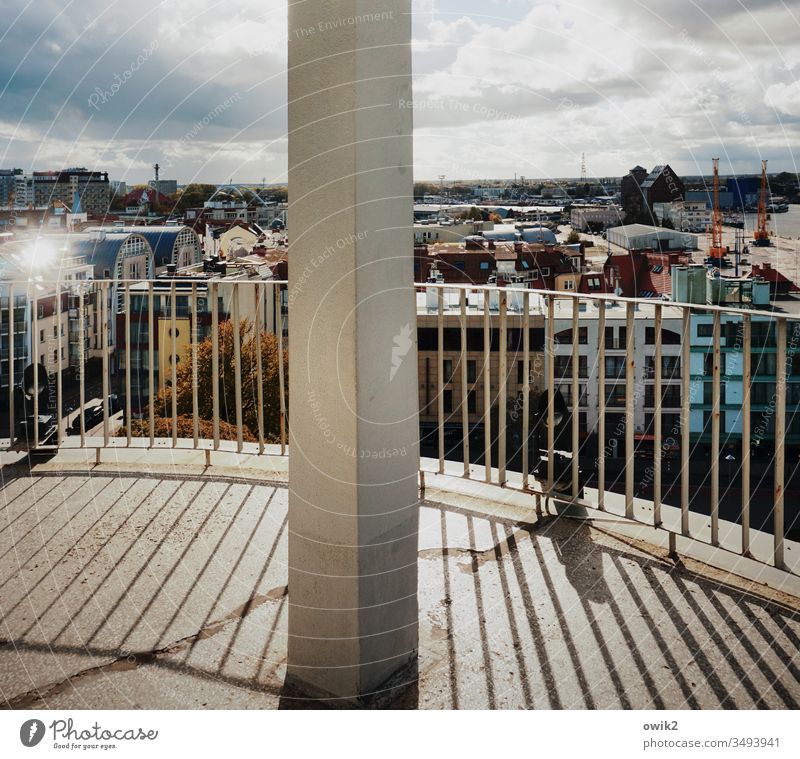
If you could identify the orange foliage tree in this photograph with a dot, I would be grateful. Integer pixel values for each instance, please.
(226, 382)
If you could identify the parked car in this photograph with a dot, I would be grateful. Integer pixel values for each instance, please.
(92, 416)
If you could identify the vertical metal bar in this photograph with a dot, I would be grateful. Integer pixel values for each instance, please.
(173, 351)
(686, 368)
(502, 390)
(35, 361)
(260, 288)
(575, 393)
(12, 334)
(105, 315)
(237, 366)
(59, 380)
(151, 362)
(657, 390)
(715, 428)
(214, 361)
(747, 333)
(281, 378)
(81, 364)
(630, 341)
(440, 375)
(195, 337)
(551, 392)
(487, 386)
(464, 381)
(780, 440)
(128, 362)
(526, 387)
(601, 407)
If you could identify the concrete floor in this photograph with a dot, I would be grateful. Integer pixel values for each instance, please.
(125, 590)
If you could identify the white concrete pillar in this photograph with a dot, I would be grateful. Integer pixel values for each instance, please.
(354, 435)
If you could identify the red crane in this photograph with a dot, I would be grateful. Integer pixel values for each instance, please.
(717, 250)
(761, 235)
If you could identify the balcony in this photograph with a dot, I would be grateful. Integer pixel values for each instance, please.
(144, 557)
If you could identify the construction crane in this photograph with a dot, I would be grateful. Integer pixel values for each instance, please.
(717, 251)
(761, 235)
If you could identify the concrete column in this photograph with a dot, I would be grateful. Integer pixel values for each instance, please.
(354, 436)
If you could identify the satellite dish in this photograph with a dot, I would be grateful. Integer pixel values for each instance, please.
(29, 389)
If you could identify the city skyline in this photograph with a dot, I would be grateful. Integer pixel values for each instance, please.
(500, 88)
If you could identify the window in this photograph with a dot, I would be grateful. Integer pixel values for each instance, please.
(484, 265)
(41, 335)
(569, 284)
(472, 370)
(448, 370)
(545, 271)
(705, 330)
(448, 401)
(460, 265)
(594, 283)
(472, 402)
(520, 372)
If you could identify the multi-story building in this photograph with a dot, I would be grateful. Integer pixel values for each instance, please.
(11, 183)
(614, 340)
(685, 215)
(640, 191)
(594, 217)
(44, 188)
(453, 389)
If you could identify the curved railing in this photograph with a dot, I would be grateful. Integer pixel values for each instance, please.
(173, 371)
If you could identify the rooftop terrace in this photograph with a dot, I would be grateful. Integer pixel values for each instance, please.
(168, 590)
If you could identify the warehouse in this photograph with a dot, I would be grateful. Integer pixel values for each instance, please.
(642, 237)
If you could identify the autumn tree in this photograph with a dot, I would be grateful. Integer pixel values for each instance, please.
(226, 381)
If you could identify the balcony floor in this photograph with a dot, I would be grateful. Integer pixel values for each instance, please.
(125, 590)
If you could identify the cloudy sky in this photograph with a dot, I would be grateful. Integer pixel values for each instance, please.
(502, 86)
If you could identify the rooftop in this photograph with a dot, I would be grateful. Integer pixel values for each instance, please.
(168, 590)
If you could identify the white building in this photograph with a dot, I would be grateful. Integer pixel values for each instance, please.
(615, 342)
(643, 237)
(685, 215)
(606, 215)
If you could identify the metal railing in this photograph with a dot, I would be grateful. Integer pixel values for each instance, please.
(150, 308)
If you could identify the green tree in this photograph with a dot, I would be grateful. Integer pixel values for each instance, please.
(573, 237)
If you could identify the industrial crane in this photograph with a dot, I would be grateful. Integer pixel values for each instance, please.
(717, 251)
(761, 235)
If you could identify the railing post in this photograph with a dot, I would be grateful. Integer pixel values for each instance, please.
(630, 398)
(575, 393)
(464, 382)
(550, 355)
(128, 364)
(12, 334)
(747, 331)
(780, 441)
(105, 316)
(151, 362)
(686, 400)
(715, 428)
(526, 388)
(658, 391)
(35, 362)
(440, 382)
(502, 401)
(487, 384)
(601, 407)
